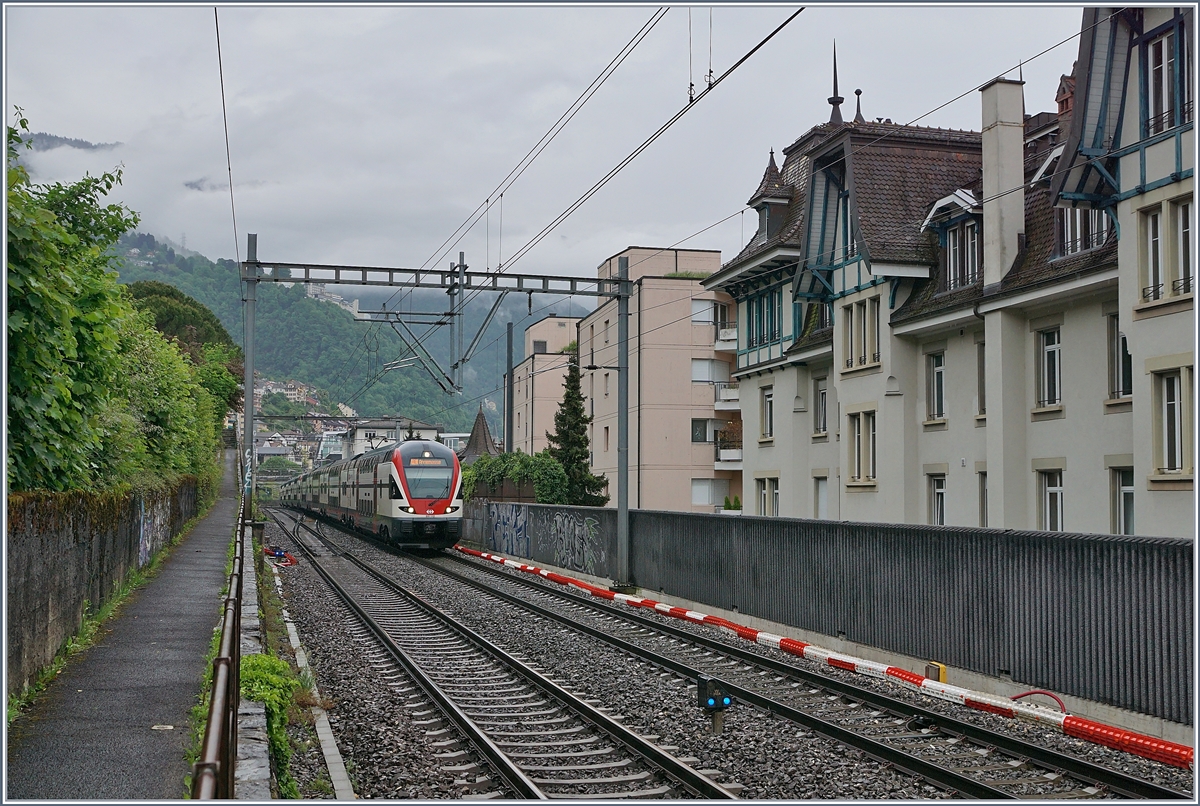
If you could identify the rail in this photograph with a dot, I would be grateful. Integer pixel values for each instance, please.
(212, 775)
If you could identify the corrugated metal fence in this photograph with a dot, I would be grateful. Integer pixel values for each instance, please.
(1104, 617)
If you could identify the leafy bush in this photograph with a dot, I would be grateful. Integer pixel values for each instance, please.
(550, 484)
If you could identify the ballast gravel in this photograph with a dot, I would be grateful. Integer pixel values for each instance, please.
(761, 755)
(1174, 778)
(386, 755)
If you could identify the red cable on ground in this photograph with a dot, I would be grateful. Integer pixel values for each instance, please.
(1039, 691)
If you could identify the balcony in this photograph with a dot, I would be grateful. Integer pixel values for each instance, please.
(726, 338)
(726, 396)
(727, 448)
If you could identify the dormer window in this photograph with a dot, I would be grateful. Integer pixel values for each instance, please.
(962, 254)
(1080, 229)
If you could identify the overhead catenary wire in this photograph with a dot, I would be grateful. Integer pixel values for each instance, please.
(524, 250)
(538, 148)
(225, 119)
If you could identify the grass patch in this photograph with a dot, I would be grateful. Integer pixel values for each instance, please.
(93, 621)
(271, 681)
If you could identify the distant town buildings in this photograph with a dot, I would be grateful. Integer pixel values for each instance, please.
(318, 292)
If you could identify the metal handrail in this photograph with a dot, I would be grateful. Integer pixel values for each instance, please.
(212, 774)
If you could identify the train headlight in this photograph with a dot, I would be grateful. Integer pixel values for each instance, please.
(452, 509)
(410, 510)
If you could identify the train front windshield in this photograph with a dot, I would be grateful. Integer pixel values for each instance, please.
(429, 482)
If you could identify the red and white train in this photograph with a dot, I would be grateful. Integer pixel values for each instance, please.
(408, 494)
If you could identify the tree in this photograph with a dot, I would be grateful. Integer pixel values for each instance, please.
(65, 312)
(569, 444)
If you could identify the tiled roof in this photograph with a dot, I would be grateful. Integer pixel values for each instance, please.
(480, 443)
(898, 172)
(894, 186)
(772, 185)
(1035, 266)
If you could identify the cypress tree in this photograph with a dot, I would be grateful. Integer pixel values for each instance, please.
(569, 444)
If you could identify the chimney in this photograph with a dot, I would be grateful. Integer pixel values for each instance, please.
(1003, 170)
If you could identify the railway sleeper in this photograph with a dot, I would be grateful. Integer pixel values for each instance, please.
(563, 743)
(558, 732)
(636, 793)
(578, 754)
(616, 779)
(604, 765)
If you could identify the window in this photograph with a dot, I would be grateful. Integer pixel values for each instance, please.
(1122, 483)
(937, 500)
(981, 377)
(1154, 256)
(767, 412)
(606, 331)
(935, 372)
(874, 306)
(606, 387)
(709, 492)
(848, 334)
(767, 493)
(962, 255)
(708, 370)
(861, 332)
(606, 439)
(1120, 363)
(539, 347)
(869, 426)
(983, 509)
(862, 446)
(1169, 86)
(1172, 422)
(700, 431)
(820, 406)
(1183, 226)
(821, 498)
(702, 312)
(1050, 374)
(824, 315)
(592, 345)
(1051, 482)
(1080, 229)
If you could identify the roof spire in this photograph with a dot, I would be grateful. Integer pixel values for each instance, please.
(835, 100)
(858, 118)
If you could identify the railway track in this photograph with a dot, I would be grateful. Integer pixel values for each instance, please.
(538, 740)
(951, 753)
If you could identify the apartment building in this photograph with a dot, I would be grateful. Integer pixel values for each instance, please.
(685, 442)
(983, 329)
(538, 381)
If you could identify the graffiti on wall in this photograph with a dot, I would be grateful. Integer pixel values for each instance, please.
(576, 541)
(509, 532)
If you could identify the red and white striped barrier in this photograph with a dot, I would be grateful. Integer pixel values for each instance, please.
(1177, 755)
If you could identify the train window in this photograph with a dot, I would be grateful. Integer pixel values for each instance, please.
(394, 491)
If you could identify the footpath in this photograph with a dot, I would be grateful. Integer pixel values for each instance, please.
(114, 724)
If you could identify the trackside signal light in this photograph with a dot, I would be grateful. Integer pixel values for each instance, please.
(711, 694)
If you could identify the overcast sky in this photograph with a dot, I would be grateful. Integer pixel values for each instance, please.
(367, 135)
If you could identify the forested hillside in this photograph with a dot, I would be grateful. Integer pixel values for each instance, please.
(321, 344)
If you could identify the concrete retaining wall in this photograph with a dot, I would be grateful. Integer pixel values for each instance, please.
(68, 553)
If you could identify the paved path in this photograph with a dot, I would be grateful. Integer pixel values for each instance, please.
(92, 735)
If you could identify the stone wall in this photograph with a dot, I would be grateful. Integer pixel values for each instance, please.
(67, 555)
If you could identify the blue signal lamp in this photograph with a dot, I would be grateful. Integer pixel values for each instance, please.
(711, 694)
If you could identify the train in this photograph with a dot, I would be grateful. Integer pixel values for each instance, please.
(407, 494)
